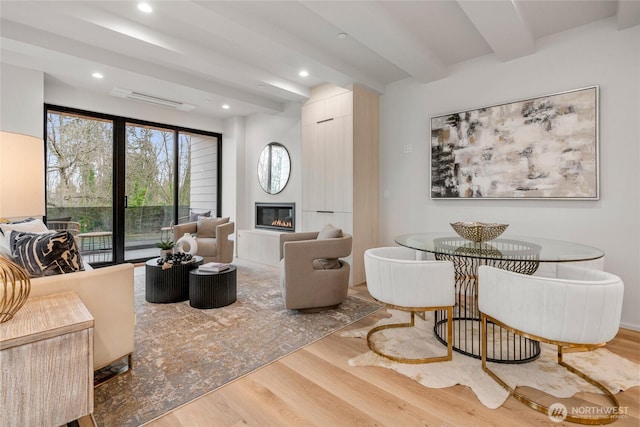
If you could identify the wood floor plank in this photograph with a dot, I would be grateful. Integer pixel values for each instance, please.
(315, 386)
(383, 406)
(318, 406)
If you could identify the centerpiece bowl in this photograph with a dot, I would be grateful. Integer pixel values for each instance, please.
(478, 231)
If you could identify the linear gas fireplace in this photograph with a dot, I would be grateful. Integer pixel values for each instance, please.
(276, 216)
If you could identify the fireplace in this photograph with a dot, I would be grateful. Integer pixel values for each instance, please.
(276, 216)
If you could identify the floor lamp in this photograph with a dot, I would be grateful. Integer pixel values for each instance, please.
(21, 195)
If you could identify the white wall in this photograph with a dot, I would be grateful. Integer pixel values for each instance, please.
(262, 129)
(595, 54)
(21, 100)
(233, 149)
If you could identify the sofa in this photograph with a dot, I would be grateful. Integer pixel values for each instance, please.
(108, 295)
(53, 261)
(211, 236)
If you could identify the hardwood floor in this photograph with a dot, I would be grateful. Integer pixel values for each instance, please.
(315, 386)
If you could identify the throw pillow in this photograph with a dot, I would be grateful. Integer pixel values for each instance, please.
(207, 226)
(194, 216)
(327, 232)
(30, 225)
(46, 254)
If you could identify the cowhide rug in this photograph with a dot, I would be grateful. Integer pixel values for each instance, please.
(613, 371)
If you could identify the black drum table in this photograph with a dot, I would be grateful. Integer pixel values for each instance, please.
(212, 289)
(165, 285)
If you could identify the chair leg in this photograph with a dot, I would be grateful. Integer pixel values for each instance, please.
(411, 323)
(609, 415)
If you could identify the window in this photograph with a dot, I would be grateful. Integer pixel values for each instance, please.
(124, 182)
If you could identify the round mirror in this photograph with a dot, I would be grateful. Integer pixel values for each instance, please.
(274, 166)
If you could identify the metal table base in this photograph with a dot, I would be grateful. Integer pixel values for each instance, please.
(502, 346)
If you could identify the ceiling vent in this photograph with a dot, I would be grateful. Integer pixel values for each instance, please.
(151, 99)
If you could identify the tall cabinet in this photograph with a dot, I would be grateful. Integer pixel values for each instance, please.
(340, 139)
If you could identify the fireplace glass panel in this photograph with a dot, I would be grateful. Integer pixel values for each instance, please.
(276, 216)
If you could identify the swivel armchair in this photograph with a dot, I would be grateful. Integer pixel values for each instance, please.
(312, 275)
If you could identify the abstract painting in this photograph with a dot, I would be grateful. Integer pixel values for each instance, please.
(539, 148)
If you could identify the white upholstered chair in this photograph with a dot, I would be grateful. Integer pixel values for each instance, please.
(578, 309)
(400, 281)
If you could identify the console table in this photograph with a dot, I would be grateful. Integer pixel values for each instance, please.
(47, 362)
(515, 253)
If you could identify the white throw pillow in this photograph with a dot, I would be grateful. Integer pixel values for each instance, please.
(31, 226)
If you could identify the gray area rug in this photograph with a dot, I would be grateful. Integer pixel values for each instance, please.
(182, 352)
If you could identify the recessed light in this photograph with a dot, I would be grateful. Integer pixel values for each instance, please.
(303, 73)
(97, 75)
(145, 7)
(342, 36)
(225, 106)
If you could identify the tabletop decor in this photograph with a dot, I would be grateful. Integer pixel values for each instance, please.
(540, 148)
(189, 241)
(166, 247)
(15, 288)
(169, 259)
(478, 231)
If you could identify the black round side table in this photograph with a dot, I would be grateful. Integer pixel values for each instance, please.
(168, 284)
(212, 290)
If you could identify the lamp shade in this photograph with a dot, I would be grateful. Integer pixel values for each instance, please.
(21, 175)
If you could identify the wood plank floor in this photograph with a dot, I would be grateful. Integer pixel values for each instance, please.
(315, 386)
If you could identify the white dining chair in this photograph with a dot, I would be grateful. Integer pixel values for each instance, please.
(580, 308)
(400, 281)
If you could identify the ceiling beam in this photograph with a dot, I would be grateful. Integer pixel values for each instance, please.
(367, 23)
(503, 27)
(258, 31)
(74, 48)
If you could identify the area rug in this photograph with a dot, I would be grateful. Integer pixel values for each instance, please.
(613, 371)
(182, 352)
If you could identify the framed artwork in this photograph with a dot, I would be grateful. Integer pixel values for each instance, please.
(538, 148)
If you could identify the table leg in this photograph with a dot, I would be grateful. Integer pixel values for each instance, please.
(503, 346)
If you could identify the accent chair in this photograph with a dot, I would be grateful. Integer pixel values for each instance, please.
(212, 237)
(398, 279)
(577, 310)
(312, 275)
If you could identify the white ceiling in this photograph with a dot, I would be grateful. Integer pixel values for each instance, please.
(248, 53)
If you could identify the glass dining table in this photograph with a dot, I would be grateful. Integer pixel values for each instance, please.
(521, 254)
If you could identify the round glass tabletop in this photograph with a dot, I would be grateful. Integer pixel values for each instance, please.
(504, 247)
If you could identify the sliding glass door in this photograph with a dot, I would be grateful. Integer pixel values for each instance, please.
(80, 181)
(149, 184)
(123, 184)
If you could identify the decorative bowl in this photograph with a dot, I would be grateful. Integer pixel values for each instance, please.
(478, 231)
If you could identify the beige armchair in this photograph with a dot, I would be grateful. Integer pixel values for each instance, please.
(212, 237)
(312, 275)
